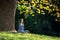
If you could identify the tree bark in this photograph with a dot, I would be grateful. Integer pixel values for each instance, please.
(7, 15)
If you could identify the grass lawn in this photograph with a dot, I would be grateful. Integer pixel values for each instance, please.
(25, 36)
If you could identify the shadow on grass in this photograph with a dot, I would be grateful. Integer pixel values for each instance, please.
(54, 34)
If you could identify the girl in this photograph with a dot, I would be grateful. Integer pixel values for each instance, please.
(21, 26)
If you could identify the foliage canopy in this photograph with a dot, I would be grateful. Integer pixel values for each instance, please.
(43, 7)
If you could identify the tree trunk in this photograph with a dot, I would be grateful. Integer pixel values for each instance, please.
(7, 15)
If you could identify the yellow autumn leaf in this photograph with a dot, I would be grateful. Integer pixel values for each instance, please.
(27, 11)
(33, 15)
(41, 2)
(38, 11)
(22, 1)
(56, 8)
(47, 6)
(32, 1)
(43, 13)
(41, 6)
(33, 5)
(31, 12)
(51, 5)
(58, 14)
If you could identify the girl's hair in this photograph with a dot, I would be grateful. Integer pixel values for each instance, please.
(21, 20)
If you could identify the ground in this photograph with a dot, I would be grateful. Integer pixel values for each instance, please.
(25, 36)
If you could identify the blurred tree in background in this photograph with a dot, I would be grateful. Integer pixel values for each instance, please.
(40, 16)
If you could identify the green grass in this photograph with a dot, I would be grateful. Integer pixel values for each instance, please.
(25, 36)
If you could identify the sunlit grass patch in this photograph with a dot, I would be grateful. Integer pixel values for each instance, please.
(25, 36)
